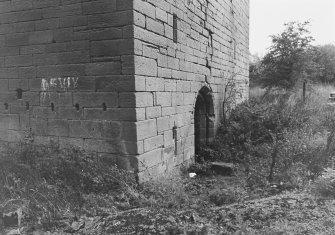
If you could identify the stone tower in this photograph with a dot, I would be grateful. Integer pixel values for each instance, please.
(139, 81)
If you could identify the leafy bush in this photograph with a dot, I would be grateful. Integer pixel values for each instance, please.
(277, 138)
(324, 186)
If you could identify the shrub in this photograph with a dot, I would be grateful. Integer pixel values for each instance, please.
(227, 196)
(166, 191)
(324, 186)
(279, 138)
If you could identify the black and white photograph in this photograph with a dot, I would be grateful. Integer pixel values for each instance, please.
(172, 117)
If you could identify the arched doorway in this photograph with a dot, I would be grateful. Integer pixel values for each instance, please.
(203, 119)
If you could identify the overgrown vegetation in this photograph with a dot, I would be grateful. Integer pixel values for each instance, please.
(278, 137)
(277, 141)
(47, 183)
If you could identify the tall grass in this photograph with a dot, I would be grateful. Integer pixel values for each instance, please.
(48, 183)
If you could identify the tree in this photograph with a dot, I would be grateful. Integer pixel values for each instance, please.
(325, 60)
(254, 70)
(288, 57)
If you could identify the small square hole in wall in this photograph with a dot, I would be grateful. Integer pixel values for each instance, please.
(175, 28)
(19, 93)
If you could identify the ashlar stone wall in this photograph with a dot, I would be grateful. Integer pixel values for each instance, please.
(65, 67)
(184, 48)
(141, 82)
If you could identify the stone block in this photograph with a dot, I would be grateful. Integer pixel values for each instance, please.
(20, 60)
(24, 121)
(95, 99)
(145, 8)
(146, 129)
(162, 60)
(61, 58)
(139, 19)
(97, 7)
(155, 26)
(135, 99)
(173, 63)
(112, 47)
(94, 129)
(41, 37)
(6, 73)
(14, 84)
(189, 98)
(154, 84)
(114, 114)
(46, 24)
(161, 15)
(145, 66)
(112, 19)
(57, 98)
(101, 146)
(46, 140)
(150, 37)
(58, 127)
(149, 51)
(168, 138)
(115, 83)
(8, 97)
(153, 112)
(4, 85)
(153, 143)
(132, 148)
(164, 124)
(103, 68)
(11, 135)
(163, 98)
(168, 111)
(39, 126)
(165, 73)
(66, 142)
(152, 172)
(150, 159)
(18, 39)
(106, 34)
(9, 122)
(170, 85)
(69, 113)
(55, 71)
(42, 112)
(122, 5)
(9, 51)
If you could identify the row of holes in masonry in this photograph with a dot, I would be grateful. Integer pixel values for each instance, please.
(52, 105)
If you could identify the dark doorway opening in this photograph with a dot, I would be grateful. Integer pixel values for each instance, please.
(203, 119)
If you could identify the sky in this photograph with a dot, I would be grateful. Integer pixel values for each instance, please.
(267, 17)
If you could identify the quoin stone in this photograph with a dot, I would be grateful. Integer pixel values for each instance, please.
(142, 82)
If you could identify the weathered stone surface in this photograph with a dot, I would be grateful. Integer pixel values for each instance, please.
(119, 77)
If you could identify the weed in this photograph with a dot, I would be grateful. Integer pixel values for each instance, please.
(48, 183)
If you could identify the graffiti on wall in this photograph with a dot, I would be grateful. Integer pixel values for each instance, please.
(60, 83)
